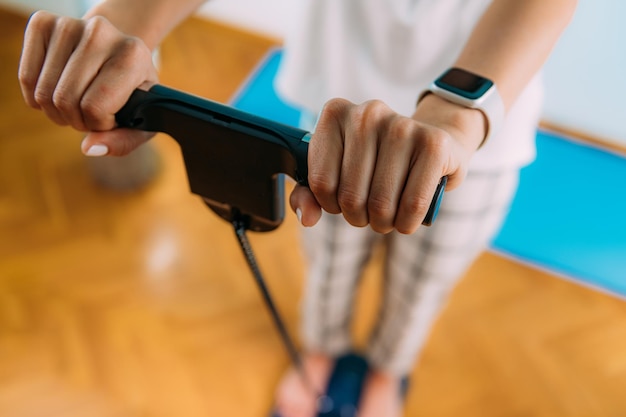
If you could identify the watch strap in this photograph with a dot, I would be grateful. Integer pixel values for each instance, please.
(490, 104)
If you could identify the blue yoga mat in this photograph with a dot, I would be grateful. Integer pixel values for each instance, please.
(568, 216)
(569, 213)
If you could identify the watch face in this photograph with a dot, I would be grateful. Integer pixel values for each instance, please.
(464, 83)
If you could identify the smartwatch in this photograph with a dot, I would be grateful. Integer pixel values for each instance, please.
(473, 91)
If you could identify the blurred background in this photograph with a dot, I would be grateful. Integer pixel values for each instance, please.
(122, 295)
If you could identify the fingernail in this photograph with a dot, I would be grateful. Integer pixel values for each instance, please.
(299, 215)
(97, 150)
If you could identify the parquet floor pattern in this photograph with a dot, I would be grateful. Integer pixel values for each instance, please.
(140, 305)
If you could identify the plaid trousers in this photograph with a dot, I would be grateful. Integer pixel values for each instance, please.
(420, 270)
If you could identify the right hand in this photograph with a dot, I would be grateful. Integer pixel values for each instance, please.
(80, 73)
(380, 168)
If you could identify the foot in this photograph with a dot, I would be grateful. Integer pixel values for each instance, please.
(381, 396)
(295, 397)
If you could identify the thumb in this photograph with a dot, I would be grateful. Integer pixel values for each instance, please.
(117, 142)
(306, 207)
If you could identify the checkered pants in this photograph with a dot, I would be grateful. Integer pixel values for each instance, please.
(420, 271)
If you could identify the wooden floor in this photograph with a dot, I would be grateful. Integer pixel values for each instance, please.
(139, 304)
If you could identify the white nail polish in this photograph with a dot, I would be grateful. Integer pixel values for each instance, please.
(299, 215)
(97, 150)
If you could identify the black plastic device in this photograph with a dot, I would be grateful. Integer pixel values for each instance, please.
(235, 160)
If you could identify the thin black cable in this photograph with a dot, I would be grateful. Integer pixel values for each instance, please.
(239, 224)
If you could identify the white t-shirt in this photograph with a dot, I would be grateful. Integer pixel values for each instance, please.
(392, 50)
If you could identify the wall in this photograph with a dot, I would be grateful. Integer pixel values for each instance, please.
(68, 7)
(586, 74)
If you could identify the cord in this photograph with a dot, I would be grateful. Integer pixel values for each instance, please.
(240, 224)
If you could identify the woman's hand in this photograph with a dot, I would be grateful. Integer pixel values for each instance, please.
(379, 168)
(80, 73)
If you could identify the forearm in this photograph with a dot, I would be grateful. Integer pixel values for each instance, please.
(150, 20)
(513, 39)
(509, 45)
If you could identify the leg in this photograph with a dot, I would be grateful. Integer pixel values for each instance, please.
(336, 254)
(421, 270)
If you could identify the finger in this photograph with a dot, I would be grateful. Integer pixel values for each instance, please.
(360, 146)
(306, 207)
(82, 67)
(118, 78)
(456, 177)
(117, 142)
(63, 41)
(420, 187)
(390, 176)
(39, 27)
(326, 154)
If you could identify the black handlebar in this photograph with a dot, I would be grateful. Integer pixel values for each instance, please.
(234, 160)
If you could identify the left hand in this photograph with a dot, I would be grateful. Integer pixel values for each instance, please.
(380, 168)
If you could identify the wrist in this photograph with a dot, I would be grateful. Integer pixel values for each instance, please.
(125, 18)
(466, 125)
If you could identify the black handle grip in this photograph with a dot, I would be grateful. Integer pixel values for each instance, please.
(161, 108)
(233, 159)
